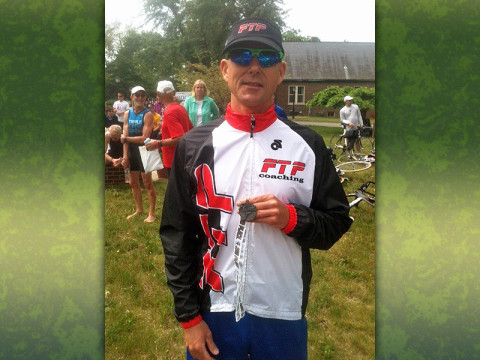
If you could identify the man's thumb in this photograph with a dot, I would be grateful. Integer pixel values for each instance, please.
(211, 345)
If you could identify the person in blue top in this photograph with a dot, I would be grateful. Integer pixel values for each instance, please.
(201, 109)
(138, 125)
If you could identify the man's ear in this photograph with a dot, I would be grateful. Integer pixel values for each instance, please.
(282, 70)
(224, 69)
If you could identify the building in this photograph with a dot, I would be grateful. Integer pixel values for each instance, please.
(314, 66)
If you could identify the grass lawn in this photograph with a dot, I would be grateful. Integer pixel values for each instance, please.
(332, 120)
(139, 322)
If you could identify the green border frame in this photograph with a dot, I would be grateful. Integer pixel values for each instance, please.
(51, 203)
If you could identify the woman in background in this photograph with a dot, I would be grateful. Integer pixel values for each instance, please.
(201, 109)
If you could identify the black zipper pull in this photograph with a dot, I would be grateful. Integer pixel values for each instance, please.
(252, 126)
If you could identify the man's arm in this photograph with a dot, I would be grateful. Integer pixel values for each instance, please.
(182, 237)
(319, 225)
(360, 119)
(108, 158)
(147, 130)
(125, 162)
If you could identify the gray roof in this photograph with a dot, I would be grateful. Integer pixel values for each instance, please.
(327, 60)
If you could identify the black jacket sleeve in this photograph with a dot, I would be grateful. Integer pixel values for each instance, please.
(182, 239)
(323, 223)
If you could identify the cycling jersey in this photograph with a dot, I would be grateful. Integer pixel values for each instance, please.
(230, 159)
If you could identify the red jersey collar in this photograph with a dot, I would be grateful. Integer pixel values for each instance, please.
(243, 121)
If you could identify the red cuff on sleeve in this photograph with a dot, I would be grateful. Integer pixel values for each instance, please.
(195, 321)
(292, 220)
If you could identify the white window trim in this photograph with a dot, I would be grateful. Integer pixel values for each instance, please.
(296, 94)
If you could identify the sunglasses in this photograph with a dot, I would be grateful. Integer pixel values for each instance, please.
(140, 95)
(244, 56)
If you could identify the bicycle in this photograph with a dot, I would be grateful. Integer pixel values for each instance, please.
(363, 145)
(363, 195)
(351, 166)
(340, 173)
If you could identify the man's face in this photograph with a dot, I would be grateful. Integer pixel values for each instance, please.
(120, 97)
(252, 86)
(348, 103)
(159, 97)
(139, 98)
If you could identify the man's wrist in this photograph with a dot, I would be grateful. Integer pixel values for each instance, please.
(191, 323)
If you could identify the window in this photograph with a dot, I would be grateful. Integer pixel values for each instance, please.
(299, 91)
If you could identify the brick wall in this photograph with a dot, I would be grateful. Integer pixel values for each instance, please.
(114, 175)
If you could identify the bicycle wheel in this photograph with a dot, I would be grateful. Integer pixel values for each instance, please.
(365, 146)
(337, 143)
(353, 166)
(345, 157)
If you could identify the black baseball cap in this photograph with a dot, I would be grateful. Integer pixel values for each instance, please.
(254, 31)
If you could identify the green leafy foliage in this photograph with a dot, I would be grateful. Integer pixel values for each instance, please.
(293, 35)
(187, 32)
(332, 97)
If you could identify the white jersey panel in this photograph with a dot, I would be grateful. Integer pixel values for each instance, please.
(274, 161)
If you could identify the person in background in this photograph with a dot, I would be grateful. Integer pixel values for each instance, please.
(120, 107)
(248, 196)
(157, 135)
(138, 125)
(114, 146)
(159, 108)
(279, 111)
(157, 122)
(110, 118)
(175, 124)
(201, 108)
(352, 121)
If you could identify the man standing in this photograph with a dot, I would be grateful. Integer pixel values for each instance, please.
(351, 120)
(175, 124)
(247, 198)
(120, 107)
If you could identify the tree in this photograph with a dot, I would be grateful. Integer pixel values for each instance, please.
(293, 35)
(191, 33)
(198, 29)
(332, 97)
(141, 59)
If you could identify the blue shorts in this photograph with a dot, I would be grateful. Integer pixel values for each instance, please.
(256, 338)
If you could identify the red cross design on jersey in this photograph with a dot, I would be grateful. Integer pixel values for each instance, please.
(208, 199)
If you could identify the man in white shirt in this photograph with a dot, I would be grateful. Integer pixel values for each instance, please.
(120, 107)
(351, 120)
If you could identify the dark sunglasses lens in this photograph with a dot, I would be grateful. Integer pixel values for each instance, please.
(244, 57)
(268, 58)
(241, 57)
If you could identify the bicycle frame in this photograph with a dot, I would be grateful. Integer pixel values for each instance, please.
(363, 195)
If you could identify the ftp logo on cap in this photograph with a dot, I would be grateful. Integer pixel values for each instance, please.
(251, 26)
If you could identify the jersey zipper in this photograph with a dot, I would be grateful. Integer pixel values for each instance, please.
(243, 256)
(252, 126)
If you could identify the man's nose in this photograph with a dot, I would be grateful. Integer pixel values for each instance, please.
(254, 65)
